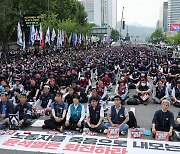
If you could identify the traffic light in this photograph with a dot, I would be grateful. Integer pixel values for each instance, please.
(123, 27)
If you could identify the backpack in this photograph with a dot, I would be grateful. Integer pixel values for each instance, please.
(133, 101)
(132, 123)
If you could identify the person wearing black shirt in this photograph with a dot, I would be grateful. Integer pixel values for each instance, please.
(59, 109)
(94, 116)
(24, 109)
(33, 91)
(45, 99)
(163, 119)
(53, 87)
(69, 97)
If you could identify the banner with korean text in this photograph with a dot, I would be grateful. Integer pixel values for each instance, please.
(58, 143)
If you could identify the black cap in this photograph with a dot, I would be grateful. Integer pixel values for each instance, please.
(94, 98)
(76, 96)
(117, 97)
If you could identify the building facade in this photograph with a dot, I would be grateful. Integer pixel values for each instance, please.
(101, 12)
(173, 12)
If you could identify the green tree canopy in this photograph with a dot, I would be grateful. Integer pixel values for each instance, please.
(157, 36)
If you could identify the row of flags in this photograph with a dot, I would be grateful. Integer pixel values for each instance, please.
(61, 38)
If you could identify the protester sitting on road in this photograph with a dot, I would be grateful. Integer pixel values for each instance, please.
(177, 122)
(107, 81)
(24, 110)
(94, 116)
(94, 94)
(122, 90)
(44, 100)
(163, 119)
(160, 92)
(6, 108)
(59, 109)
(143, 91)
(33, 91)
(69, 96)
(117, 116)
(101, 90)
(75, 115)
(176, 94)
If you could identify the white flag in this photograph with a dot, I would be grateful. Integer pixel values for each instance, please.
(47, 40)
(37, 37)
(53, 35)
(32, 34)
(40, 32)
(19, 35)
(24, 42)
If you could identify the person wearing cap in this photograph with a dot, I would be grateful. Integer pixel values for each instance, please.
(10, 93)
(94, 116)
(24, 110)
(44, 100)
(176, 94)
(121, 90)
(117, 116)
(18, 85)
(163, 119)
(160, 93)
(107, 81)
(59, 109)
(6, 108)
(75, 115)
(143, 90)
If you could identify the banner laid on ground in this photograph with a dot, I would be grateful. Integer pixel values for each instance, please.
(49, 142)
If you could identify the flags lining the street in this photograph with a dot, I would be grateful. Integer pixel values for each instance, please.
(61, 38)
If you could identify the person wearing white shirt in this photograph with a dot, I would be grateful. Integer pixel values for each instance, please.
(94, 116)
(75, 115)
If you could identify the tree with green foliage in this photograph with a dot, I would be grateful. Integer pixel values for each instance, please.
(157, 36)
(115, 34)
(177, 38)
(9, 17)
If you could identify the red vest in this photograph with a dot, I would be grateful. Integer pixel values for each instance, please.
(100, 91)
(121, 90)
(83, 83)
(106, 81)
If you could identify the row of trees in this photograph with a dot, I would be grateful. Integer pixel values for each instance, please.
(68, 15)
(158, 36)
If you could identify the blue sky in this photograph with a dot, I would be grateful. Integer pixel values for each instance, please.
(143, 12)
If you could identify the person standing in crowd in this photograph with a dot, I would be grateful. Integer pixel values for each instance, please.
(163, 119)
(160, 93)
(117, 116)
(6, 108)
(176, 94)
(59, 109)
(94, 116)
(24, 110)
(75, 115)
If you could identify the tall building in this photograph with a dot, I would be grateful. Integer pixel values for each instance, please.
(173, 12)
(101, 12)
(163, 18)
(89, 8)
